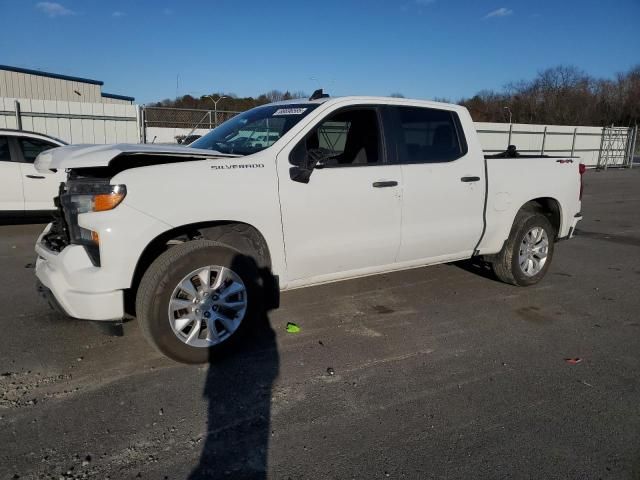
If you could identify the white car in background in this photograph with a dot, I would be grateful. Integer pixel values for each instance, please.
(23, 190)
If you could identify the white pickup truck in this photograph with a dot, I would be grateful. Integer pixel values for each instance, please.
(197, 241)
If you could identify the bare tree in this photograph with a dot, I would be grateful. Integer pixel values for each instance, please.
(563, 95)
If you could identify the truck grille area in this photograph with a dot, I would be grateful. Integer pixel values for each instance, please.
(58, 236)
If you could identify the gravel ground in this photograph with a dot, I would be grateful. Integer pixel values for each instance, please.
(436, 372)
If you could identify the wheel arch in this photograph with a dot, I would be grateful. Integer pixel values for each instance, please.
(241, 236)
(549, 207)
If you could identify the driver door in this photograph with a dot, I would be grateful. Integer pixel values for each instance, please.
(346, 219)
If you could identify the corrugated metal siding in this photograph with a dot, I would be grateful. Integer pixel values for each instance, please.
(24, 85)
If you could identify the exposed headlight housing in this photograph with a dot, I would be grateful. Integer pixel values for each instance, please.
(87, 197)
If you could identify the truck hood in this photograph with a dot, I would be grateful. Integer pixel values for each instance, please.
(88, 156)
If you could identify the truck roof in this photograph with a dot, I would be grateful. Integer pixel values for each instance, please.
(372, 99)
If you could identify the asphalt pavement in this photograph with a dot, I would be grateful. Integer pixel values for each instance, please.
(438, 372)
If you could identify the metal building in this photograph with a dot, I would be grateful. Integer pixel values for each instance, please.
(33, 84)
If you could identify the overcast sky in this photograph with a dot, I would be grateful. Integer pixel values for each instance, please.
(422, 48)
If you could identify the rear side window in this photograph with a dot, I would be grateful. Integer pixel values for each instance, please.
(427, 135)
(32, 147)
(5, 155)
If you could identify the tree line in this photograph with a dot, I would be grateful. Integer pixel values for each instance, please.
(231, 102)
(563, 95)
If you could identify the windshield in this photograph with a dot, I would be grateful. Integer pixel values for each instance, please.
(255, 129)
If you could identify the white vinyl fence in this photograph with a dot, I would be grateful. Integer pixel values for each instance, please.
(99, 123)
(588, 143)
(555, 140)
(73, 122)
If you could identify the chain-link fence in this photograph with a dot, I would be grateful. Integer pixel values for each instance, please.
(175, 125)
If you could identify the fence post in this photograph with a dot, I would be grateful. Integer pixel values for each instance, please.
(510, 132)
(632, 141)
(627, 147)
(573, 142)
(209, 119)
(18, 116)
(599, 166)
(143, 124)
(544, 139)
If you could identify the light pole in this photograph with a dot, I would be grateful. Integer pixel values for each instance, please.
(215, 105)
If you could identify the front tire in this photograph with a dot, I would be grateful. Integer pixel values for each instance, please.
(527, 253)
(197, 299)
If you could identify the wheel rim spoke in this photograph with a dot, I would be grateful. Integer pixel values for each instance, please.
(181, 323)
(540, 254)
(195, 332)
(212, 332)
(227, 323)
(187, 286)
(233, 305)
(180, 304)
(219, 278)
(233, 289)
(205, 279)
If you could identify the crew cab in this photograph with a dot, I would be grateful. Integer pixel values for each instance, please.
(199, 240)
(23, 190)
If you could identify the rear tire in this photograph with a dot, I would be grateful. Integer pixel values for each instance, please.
(173, 300)
(527, 253)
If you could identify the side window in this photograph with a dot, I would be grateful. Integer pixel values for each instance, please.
(5, 154)
(426, 135)
(349, 137)
(31, 148)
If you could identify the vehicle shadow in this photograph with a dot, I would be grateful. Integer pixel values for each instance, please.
(238, 392)
(477, 267)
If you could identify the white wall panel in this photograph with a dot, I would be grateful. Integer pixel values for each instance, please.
(74, 122)
(117, 123)
(97, 110)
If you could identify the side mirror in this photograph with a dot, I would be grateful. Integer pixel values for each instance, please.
(306, 161)
(301, 170)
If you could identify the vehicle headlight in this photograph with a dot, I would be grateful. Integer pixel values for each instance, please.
(86, 197)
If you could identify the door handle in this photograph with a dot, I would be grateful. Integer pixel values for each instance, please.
(470, 179)
(35, 176)
(386, 183)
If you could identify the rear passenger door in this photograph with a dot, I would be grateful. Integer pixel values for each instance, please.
(11, 196)
(443, 185)
(39, 189)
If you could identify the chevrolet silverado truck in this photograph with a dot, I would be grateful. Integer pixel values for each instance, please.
(197, 242)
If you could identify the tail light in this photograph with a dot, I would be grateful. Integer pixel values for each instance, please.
(581, 169)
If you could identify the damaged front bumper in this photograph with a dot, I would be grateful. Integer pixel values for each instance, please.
(72, 284)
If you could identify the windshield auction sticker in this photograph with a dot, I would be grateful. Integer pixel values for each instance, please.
(290, 111)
